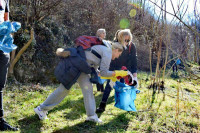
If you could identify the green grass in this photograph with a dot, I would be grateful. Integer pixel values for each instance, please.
(69, 115)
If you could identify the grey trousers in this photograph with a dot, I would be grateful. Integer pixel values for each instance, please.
(61, 92)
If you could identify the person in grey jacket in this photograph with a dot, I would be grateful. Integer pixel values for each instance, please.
(107, 53)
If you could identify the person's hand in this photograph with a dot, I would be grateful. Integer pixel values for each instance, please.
(120, 73)
(135, 82)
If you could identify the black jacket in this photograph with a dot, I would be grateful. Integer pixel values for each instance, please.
(69, 69)
(128, 58)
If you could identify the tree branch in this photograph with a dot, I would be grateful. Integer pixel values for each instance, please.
(21, 52)
(177, 18)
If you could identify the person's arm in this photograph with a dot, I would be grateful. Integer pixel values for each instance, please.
(105, 64)
(135, 74)
(7, 10)
(133, 61)
(6, 16)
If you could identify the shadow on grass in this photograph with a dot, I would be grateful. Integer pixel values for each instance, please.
(154, 115)
(76, 107)
(30, 124)
(33, 124)
(110, 100)
(118, 124)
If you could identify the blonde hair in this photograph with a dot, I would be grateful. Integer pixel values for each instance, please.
(117, 45)
(100, 31)
(119, 36)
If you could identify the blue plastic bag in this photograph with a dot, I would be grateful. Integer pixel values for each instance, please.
(125, 96)
(6, 40)
(101, 81)
(178, 62)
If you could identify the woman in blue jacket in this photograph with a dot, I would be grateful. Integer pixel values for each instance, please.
(107, 53)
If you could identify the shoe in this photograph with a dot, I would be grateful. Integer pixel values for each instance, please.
(42, 114)
(101, 107)
(4, 126)
(94, 118)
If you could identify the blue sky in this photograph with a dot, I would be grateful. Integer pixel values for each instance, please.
(188, 15)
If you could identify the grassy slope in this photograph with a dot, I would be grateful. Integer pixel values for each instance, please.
(69, 115)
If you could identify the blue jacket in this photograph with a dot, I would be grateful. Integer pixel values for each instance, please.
(69, 69)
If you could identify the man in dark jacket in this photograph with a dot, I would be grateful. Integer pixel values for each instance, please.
(129, 59)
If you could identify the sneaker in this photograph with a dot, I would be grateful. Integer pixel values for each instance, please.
(94, 118)
(42, 114)
(4, 126)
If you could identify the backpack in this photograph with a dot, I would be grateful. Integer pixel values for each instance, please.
(88, 41)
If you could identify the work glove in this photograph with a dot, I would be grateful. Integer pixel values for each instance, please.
(120, 73)
(135, 82)
(114, 79)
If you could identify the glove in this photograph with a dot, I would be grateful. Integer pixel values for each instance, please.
(114, 79)
(135, 82)
(120, 73)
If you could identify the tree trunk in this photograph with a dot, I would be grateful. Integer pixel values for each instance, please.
(21, 52)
